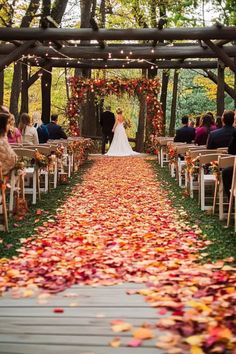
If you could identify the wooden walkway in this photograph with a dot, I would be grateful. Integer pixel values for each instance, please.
(30, 325)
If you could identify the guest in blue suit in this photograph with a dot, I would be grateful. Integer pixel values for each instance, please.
(185, 134)
(222, 137)
(55, 130)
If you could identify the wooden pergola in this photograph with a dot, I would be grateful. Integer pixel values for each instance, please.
(171, 48)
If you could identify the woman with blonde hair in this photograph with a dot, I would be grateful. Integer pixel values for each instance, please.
(7, 155)
(13, 134)
(41, 128)
(29, 133)
(120, 145)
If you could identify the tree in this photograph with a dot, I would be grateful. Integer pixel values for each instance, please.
(17, 76)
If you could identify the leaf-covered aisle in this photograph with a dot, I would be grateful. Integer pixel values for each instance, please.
(119, 226)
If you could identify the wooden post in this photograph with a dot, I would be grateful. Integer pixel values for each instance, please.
(141, 123)
(46, 81)
(163, 98)
(220, 88)
(1, 87)
(24, 89)
(174, 103)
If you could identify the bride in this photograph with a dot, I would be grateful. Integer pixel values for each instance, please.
(120, 145)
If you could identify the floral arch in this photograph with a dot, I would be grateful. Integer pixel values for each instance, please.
(148, 88)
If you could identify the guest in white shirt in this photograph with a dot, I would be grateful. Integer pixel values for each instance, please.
(29, 133)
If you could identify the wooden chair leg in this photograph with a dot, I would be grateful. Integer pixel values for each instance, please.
(229, 209)
(221, 201)
(215, 196)
(4, 209)
(202, 190)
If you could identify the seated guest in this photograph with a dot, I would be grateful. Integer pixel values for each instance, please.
(13, 134)
(185, 134)
(7, 155)
(219, 122)
(55, 131)
(213, 123)
(42, 129)
(198, 121)
(227, 173)
(222, 137)
(203, 131)
(29, 133)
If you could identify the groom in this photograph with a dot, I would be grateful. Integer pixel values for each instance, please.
(107, 122)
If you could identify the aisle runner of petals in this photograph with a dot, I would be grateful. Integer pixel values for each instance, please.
(119, 226)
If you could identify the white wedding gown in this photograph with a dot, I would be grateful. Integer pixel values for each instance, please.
(120, 145)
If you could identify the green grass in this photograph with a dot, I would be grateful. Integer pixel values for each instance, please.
(10, 241)
(223, 240)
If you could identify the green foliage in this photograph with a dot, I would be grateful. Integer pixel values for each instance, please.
(223, 240)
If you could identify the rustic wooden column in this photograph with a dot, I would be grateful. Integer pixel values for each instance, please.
(1, 86)
(46, 81)
(220, 88)
(24, 89)
(140, 135)
(174, 103)
(163, 98)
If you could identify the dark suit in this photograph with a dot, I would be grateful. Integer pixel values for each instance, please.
(227, 173)
(184, 135)
(55, 131)
(107, 122)
(220, 137)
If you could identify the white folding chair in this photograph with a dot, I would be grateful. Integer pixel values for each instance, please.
(223, 162)
(31, 172)
(206, 179)
(232, 198)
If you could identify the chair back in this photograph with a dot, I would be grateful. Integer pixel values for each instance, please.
(226, 161)
(208, 158)
(195, 153)
(224, 150)
(30, 153)
(183, 148)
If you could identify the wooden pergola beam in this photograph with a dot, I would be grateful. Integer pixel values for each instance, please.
(16, 54)
(118, 52)
(51, 34)
(222, 55)
(120, 64)
(37, 75)
(213, 77)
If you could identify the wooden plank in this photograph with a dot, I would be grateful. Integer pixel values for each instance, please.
(80, 312)
(105, 330)
(71, 321)
(13, 348)
(83, 341)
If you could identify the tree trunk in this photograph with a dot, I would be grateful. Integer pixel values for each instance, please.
(174, 104)
(56, 13)
(140, 135)
(1, 87)
(58, 10)
(88, 125)
(24, 90)
(141, 123)
(15, 90)
(16, 80)
(163, 98)
(220, 88)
